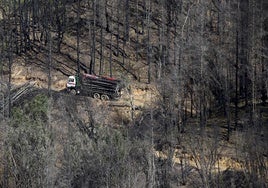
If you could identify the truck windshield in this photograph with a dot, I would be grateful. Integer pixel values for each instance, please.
(71, 80)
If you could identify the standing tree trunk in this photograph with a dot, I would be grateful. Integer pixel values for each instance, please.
(149, 51)
(245, 48)
(202, 83)
(111, 38)
(118, 27)
(264, 49)
(101, 23)
(237, 65)
(137, 31)
(93, 39)
(78, 37)
(49, 46)
(126, 37)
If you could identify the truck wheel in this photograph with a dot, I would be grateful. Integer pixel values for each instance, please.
(73, 92)
(96, 96)
(105, 97)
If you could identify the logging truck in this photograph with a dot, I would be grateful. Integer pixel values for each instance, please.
(99, 87)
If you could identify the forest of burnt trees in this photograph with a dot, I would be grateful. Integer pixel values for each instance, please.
(206, 58)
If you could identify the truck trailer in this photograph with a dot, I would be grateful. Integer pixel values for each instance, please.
(99, 87)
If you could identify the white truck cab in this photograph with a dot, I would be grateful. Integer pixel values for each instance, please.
(71, 82)
(72, 85)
